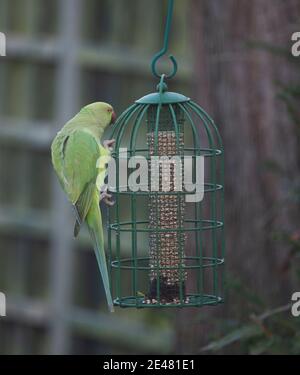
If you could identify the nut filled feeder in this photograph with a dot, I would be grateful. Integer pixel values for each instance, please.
(166, 246)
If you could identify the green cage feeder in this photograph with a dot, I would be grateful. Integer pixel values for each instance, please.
(166, 249)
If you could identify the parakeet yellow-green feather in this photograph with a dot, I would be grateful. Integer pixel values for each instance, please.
(75, 152)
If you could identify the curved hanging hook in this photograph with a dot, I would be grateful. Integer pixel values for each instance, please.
(165, 46)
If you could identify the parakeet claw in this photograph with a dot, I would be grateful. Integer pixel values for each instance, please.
(107, 198)
(109, 143)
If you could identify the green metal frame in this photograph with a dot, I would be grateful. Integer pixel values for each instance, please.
(130, 124)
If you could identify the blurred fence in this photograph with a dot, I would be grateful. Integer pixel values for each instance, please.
(61, 55)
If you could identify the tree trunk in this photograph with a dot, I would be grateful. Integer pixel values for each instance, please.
(236, 83)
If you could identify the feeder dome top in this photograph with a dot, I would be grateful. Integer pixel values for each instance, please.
(166, 97)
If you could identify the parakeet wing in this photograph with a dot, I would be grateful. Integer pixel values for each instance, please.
(80, 156)
(81, 152)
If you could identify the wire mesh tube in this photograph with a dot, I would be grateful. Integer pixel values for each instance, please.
(166, 212)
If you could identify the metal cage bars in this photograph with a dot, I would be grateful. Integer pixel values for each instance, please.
(134, 117)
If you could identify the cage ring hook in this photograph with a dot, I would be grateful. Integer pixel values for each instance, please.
(155, 60)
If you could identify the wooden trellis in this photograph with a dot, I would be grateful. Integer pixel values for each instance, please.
(59, 56)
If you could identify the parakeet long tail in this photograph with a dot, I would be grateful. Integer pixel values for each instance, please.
(94, 223)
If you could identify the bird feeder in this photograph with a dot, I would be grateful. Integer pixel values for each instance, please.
(166, 247)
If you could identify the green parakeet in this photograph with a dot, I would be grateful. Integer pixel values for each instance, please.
(76, 150)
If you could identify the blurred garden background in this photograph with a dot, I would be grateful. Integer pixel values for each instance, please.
(235, 60)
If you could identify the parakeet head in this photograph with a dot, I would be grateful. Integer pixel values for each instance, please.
(102, 112)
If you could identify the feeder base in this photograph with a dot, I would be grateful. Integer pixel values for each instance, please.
(168, 292)
(191, 300)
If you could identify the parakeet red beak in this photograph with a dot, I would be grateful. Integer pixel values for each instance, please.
(113, 117)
